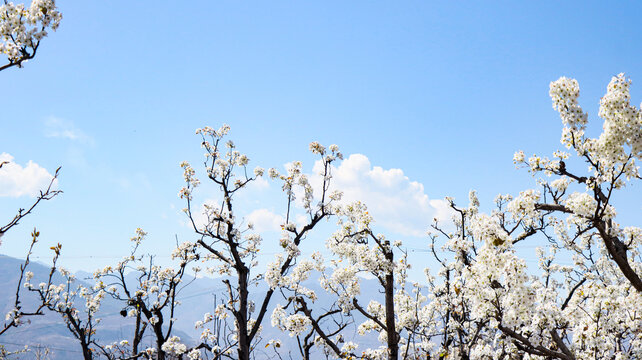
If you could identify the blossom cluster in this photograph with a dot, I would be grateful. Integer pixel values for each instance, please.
(580, 311)
(22, 28)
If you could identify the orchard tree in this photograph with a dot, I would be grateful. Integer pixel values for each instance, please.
(589, 308)
(21, 30)
(356, 251)
(484, 302)
(151, 299)
(477, 266)
(146, 292)
(230, 245)
(64, 298)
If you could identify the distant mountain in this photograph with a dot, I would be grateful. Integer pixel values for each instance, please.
(49, 330)
(196, 299)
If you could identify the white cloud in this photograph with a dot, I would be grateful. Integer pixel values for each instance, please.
(16, 180)
(399, 205)
(265, 220)
(60, 128)
(396, 203)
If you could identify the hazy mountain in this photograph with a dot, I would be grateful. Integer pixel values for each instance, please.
(196, 299)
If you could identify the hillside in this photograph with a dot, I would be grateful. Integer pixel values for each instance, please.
(49, 331)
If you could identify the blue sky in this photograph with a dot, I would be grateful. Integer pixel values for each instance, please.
(444, 91)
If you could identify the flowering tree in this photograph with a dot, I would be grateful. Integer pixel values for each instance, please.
(231, 246)
(17, 315)
(63, 299)
(22, 28)
(151, 299)
(586, 309)
(485, 303)
(357, 250)
(146, 292)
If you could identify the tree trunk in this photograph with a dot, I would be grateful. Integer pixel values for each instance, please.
(393, 338)
(86, 351)
(242, 318)
(160, 339)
